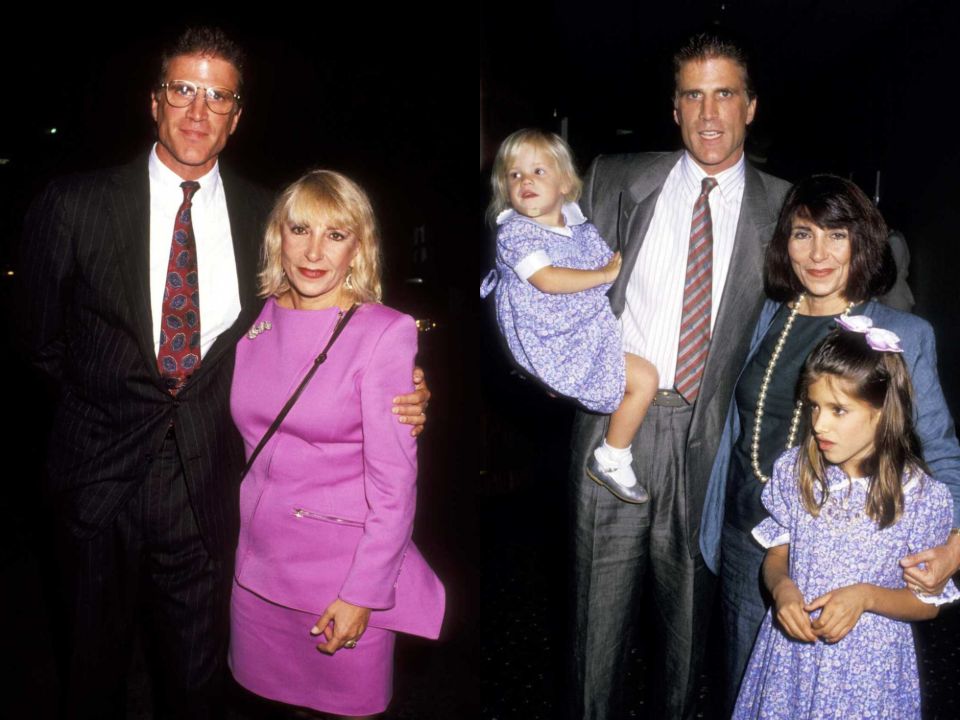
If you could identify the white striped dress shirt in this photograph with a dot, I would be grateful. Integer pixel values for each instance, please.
(654, 297)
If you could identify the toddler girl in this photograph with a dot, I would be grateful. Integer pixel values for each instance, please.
(553, 270)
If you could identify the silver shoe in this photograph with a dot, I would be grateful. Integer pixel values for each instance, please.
(603, 476)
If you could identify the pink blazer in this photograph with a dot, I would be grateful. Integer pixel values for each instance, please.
(327, 510)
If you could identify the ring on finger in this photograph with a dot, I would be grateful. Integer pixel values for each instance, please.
(350, 644)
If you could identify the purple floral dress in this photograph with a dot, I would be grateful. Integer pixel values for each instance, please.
(570, 341)
(872, 672)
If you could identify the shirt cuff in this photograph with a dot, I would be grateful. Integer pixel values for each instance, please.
(531, 263)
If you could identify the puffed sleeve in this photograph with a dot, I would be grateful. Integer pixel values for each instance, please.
(522, 247)
(930, 514)
(389, 470)
(780, 497)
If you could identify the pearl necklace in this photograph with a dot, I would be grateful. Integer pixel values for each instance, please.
(764, 386)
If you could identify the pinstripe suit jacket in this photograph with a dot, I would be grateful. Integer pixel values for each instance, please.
(88, 324)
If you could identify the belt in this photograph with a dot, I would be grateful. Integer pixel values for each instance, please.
(669, 398)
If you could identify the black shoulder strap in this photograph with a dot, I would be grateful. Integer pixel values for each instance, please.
(317, 362)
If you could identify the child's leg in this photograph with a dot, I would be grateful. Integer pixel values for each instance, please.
(611, 465)
(642, 383)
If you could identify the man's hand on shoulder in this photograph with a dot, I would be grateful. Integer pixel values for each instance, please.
(411, 409)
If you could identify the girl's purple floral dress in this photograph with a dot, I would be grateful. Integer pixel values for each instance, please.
(872, 672)
(569, 341)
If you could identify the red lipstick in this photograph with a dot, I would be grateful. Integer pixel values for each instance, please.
(312, 274)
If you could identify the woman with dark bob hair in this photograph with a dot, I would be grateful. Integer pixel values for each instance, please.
(829, 257)
(831, 202)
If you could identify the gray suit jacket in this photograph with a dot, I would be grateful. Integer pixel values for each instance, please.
(619, 197)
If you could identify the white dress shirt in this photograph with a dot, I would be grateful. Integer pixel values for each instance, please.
(216, 265)
(654, 296)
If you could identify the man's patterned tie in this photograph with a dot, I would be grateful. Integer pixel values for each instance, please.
(179, 353)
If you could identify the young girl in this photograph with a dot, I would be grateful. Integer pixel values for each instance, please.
(554, 270)
(844, 507)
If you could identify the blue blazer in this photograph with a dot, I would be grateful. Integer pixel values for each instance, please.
(933, 422)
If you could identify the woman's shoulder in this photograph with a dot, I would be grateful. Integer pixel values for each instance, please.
(898, 321)
(374, 313)
(266, 316)
(767, 313)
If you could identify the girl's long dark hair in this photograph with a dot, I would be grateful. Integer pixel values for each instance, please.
(881, 380)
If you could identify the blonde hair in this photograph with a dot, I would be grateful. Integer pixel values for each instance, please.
(324, 196)
(549, 143)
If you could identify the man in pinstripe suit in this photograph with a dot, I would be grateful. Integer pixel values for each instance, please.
(145, 479)
(646, 204)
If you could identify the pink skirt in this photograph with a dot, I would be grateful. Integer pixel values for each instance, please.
(273, 654)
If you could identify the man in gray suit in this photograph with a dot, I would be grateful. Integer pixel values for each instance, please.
(657, 208)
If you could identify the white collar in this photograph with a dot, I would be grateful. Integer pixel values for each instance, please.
(910, 481)
(572, 215)
(729, 181)
(167, 179)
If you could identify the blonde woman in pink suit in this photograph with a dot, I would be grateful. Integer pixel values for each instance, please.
(326, 570)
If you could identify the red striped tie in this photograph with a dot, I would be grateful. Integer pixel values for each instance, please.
(697, 297)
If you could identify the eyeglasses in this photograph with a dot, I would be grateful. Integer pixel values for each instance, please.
(181, 93)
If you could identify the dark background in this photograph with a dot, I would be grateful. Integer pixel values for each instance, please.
(850, 88)
(390, 99)
(382, 96)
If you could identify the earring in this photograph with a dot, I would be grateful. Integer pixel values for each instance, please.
(348, 280)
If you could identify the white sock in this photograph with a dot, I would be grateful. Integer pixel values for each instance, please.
(611, 456)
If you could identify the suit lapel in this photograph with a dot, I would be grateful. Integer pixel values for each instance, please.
(245, 234)
(246, 238)
(131, 220)
(636, 211)
(131, 204)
